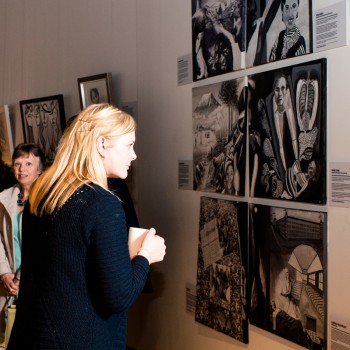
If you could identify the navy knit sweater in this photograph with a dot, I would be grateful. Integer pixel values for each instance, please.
(76, 276)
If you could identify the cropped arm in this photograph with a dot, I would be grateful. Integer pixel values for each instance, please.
(4, 225)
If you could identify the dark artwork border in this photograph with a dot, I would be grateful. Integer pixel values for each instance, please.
(43, 122)
(295, 241)
(302, 176)
(221, 298)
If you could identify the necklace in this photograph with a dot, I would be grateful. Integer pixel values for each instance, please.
(20, 200)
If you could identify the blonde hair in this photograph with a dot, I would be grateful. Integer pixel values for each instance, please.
(77, 160)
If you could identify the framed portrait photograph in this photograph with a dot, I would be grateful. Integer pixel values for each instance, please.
(43, 121)
(6, 140)
(95, 89)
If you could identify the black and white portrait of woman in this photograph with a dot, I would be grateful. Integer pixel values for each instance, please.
(277, 29)
(290, 42)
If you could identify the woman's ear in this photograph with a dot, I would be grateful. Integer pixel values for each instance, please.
(101, 145)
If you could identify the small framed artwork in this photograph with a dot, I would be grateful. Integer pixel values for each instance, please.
(6, 140)
(43, 121)
(95, 89)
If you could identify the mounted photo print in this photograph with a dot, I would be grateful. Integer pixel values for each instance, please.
(288, 274)
(95, 89)
(277, 29)
(43, 121)
(219, 134)
(221, 301)
(287, 130)
(218, 37)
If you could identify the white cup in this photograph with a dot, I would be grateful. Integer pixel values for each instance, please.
(136, 236)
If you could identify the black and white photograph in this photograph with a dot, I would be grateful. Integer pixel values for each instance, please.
(43, 121)
(218, 37)
(95, 89)
(287, 130)
(277, 30)
(288, 273)
(219, 134)
(6, 139)
(221, 299)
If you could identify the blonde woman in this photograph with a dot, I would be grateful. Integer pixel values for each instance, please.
(77, 275)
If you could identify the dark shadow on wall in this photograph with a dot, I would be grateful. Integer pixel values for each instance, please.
(139, 315)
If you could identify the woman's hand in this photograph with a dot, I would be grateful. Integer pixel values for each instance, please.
(10, 283)
(153, 247)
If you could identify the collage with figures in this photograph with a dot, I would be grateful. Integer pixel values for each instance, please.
(260, 154)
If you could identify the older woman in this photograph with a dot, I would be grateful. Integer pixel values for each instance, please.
(290, 42)
(28, 163)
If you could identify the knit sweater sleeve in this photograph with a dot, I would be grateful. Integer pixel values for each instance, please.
(114, 279)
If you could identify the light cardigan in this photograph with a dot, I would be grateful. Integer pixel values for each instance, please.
(76, 276)
(8, 210)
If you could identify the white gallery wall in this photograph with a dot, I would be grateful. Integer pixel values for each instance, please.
(45, 45)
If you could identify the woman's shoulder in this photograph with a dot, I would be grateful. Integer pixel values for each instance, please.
(89, 200)
(96, 195)
(9, 193)
(99, 204)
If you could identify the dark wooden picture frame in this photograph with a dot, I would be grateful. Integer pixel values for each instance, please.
(95, 89)
(43, 121)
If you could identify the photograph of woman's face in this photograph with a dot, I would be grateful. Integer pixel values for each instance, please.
(290, 13)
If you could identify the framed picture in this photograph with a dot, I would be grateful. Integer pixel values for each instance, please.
(287, 128)
(95, 89)
(218, 115)
(43, 121)
(288, 274)
(277, 30)
(6, 141)
(221, 298)
(218, 37)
